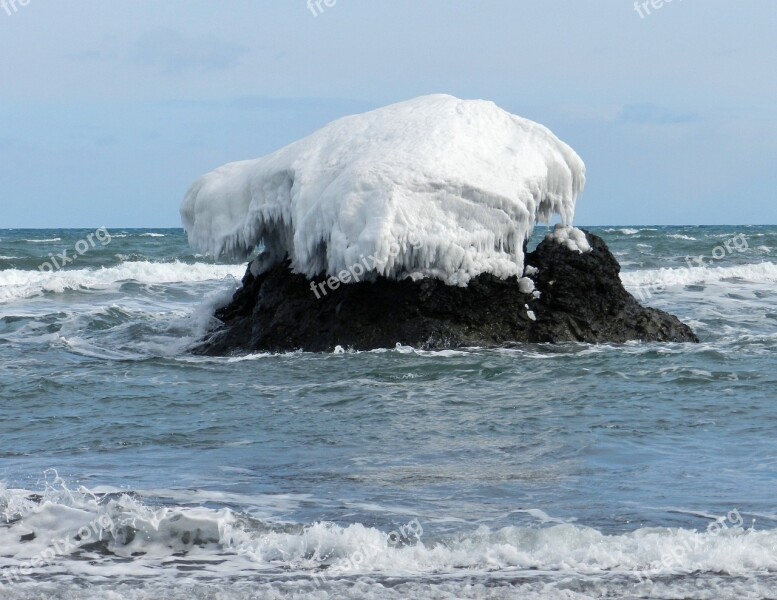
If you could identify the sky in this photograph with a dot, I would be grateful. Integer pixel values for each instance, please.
(110, 110)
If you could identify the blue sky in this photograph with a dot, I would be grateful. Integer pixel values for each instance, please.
(109, 110)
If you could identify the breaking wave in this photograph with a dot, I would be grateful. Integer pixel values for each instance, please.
(18, 284)
(765, 272)
(112, 527)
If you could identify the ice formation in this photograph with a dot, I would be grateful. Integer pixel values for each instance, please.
(431, 187)
(571, 237)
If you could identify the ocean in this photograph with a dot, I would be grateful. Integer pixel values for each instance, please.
(130, 468)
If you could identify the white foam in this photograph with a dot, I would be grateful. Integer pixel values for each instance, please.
(130, 527)
(147, 541)
(43, 241)
(531, 586)
(625, 231)
(432, 187)
(765, 272)
(18, 284)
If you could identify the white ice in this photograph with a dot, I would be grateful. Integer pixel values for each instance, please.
(571, 237)
(432, 187)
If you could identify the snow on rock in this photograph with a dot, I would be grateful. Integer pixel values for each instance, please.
(571, 237)
(525, 285)
(530, 313)
(432, 187)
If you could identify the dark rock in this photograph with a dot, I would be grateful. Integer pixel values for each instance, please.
(581, 299)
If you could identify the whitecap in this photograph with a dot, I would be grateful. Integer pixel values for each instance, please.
(18, 284)
(236, 541)
(765, 272)
(624, 230)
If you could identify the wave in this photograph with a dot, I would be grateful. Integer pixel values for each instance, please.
(116, 529)
(155, 235)
(492, 587)
(624, 231)
(765, 272)
(680, 236)
(17, 284)
(44, 241)
(565, 548)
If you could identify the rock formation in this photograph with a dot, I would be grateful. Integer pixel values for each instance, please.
(578, 297)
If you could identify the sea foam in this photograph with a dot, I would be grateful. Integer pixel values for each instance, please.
(18, 284)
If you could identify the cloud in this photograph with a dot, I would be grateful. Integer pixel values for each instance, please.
(170, 52)
(650, 114)
(85, 55)
(104, 141)
(12, 144)
(263, 103)
(275, 104)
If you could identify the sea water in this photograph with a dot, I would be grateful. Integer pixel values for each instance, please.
(130, 468)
